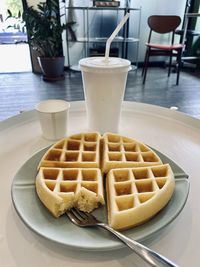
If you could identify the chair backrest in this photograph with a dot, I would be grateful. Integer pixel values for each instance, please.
(163, 24)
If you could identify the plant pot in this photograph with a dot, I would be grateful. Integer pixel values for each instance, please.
(52, 68)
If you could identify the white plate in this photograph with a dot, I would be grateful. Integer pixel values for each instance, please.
(37, 218)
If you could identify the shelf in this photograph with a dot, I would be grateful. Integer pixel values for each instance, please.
(90, 40)
(188, 32)
(192, 15)
(189, 58)
(103, 8)
(104, 39)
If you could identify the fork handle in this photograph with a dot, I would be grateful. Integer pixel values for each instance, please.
(150, 256)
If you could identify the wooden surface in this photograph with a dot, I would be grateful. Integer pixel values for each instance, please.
(21, 91)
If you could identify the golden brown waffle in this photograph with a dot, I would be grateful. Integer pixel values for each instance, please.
(134, 195)
(138, 184)
(122, 152)
(76, 151)
(60, 189)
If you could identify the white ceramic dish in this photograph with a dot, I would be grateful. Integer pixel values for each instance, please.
(37, 218)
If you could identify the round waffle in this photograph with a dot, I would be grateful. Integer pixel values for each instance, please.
(138, 184)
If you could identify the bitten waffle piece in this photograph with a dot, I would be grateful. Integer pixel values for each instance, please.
(134, 195)
(76, 151)
(60, 189)
(123, 152)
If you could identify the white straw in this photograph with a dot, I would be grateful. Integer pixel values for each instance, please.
(110, 39)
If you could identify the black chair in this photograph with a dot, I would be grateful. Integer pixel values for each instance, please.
(162, 25)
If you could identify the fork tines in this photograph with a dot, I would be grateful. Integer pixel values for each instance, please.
(80, 218)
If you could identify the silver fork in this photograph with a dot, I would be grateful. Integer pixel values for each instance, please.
(84, 219)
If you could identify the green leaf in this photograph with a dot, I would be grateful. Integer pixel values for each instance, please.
(44, 28)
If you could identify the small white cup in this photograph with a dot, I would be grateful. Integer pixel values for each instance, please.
(53, 117)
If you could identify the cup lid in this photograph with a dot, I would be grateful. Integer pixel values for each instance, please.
(96, 64)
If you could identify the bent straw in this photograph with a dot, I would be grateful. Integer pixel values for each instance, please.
(110, 39)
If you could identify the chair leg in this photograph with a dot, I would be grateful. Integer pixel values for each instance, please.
(170, 64)
(145, 60)
(146, 65)
(179, 56)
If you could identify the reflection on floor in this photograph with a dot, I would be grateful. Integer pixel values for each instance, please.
(21, 91)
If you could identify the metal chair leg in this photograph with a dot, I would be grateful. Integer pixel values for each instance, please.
(170, 64)
(145, 59)
(146, 65)
(179, 56)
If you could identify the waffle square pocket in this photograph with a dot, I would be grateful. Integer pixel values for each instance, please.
(135, 195)
(72, 173)
(62, 188)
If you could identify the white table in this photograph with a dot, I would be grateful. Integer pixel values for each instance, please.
(171, 132)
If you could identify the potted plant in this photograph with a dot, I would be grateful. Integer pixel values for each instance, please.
(45, 36)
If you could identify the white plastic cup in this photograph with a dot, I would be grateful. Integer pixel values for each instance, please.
(53, 117)
(104, 85)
